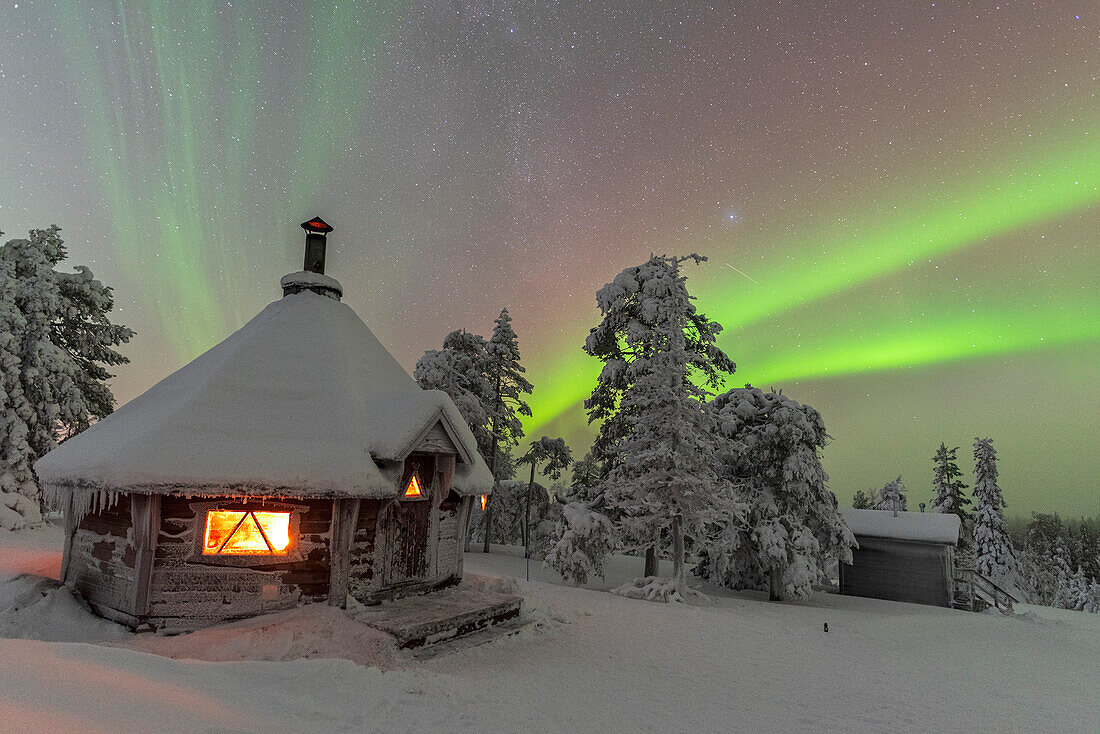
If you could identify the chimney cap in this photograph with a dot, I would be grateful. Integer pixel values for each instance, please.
(317, 225)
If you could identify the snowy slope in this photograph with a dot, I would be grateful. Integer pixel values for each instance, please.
(592, 663)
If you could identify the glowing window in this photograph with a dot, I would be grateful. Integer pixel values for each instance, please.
(246, 533)
(413, 490)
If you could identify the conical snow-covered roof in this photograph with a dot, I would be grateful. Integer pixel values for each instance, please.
(302, 400)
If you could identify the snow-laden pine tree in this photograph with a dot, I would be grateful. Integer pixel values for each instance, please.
(505, 373)
(992, 546)
(586, 476)
(665, 484)
(1070, 587)
(460, 369)
(55, 338)
(639, 307)
(583, 535)
(582, 539)
(19, 504)
(862, 500)
(948, 485)
(891, 497)
(771, 449)
(633, 306)
(485, 379)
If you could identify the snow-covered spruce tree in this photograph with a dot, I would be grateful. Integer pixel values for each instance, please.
(55, 338)
(948, 485)
(638, 308)
(1070, 587)
(891, 497)
(586, 476)
(665, 484)
(19, 504)
(582, 539)
(771, 450)
(862, 500)
(583, 535)
(505, 373)
(992, 546)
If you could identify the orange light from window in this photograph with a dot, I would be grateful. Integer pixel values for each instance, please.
(239, 533)
(413, 490)
(484, 501)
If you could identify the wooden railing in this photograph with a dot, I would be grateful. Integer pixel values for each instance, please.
(982, 588)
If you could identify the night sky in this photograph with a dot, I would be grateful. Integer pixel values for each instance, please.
(899, 201)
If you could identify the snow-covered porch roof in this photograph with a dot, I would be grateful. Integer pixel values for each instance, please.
(302, 400)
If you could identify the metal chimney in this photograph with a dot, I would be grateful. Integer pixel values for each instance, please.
(317, 230)
(312, 277)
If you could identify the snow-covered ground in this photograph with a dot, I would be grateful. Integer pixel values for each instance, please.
(589, 662)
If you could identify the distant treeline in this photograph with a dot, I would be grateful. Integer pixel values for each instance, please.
(1058, 560)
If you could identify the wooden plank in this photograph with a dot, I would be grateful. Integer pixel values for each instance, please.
(145, 511)
(345, 518)
(67, 551)
(436, 441)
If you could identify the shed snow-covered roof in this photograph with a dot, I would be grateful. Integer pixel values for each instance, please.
(930, 527)
(302, 400)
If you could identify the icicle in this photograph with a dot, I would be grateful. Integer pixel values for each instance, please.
(80, 502)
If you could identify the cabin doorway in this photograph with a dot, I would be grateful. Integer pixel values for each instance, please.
(408, 525)
(407, 542)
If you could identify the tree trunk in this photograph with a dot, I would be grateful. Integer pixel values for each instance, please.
(489, 504)
(679, 577)
(773, 585)
(527, 515)
(651, 567)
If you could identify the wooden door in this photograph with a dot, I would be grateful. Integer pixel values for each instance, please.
(407, 541)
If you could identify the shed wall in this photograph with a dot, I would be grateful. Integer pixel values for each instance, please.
(897, 570)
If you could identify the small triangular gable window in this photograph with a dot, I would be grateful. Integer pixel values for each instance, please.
(414, 490)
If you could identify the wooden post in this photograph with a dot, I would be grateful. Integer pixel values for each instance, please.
(527, 515)
(70, 533)
(345, 515)
(489, 504)
(145, 519)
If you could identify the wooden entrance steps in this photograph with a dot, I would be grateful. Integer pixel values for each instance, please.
(976, 592)
(475, 604)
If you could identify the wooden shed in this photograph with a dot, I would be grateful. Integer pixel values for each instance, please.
(902, 556)
(294, 462)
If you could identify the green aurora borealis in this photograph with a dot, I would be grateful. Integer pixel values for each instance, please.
(912, 194)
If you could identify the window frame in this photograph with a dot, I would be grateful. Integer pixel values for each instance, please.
(427, 485)
(294, 550)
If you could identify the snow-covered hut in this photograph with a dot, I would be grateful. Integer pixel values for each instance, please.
(902, 556)
(294, 462)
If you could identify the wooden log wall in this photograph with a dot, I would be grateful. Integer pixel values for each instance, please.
(186, 593)
(448, 555)
(101, 560)
(361, 572)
